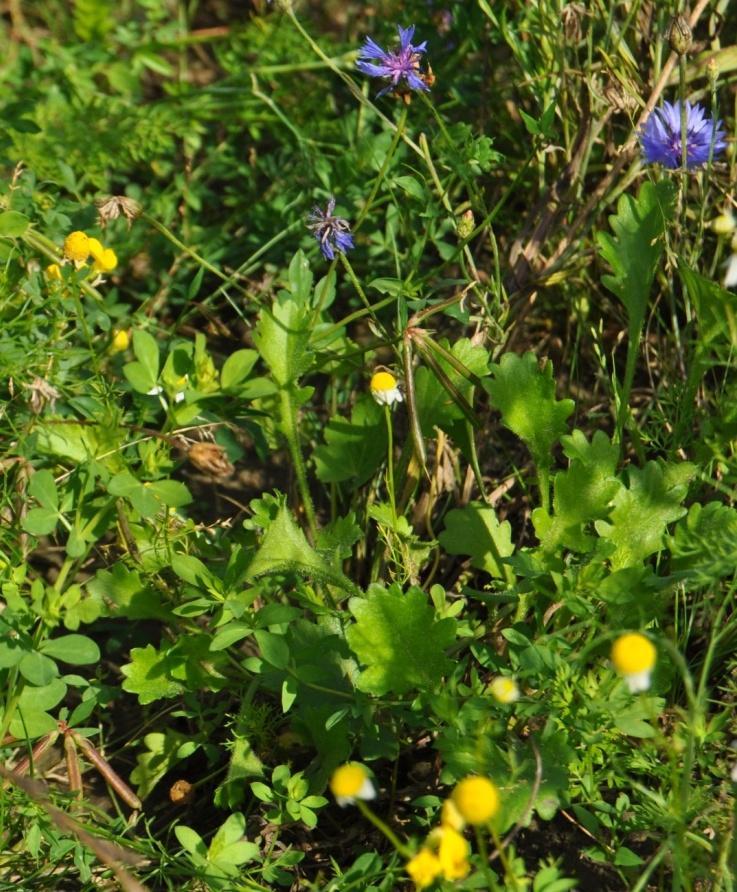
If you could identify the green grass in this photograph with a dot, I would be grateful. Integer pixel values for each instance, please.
(227, 570)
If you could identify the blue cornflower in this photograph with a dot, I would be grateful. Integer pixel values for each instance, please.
(661, 136)
(401, 64)
(332, 233)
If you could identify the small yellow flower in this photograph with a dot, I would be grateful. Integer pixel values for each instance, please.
(350, 782)
(105, 258)
(633, 656)
(504, 689)
(450, 816)
(453, 852)
(384, 389)
(77, 246)
(424, 868)
(477, 799)
(53, 271)
(120, 341)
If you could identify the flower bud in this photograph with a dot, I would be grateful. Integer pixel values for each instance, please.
(679, 35)
(466, 224)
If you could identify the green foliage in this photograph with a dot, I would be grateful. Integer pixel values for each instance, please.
(475, 530)
(635, 249)
(216, 566)
(524, 393)
(397, 637)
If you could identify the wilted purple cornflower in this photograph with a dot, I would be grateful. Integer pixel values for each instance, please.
(332, 233)
(401, 64)
(661, 136)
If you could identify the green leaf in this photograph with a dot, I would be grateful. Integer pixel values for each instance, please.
(162, 753)
(398, 639)
(524, 393)
(37, 668)
(190, 840)
(172, 493)
(146, 351)
(354, 449)
(42, 698)
(633, 252)
(32, 723)
(282, 336)
(13, 224)
(147, 676)
(284, 548)
(300, 278)
(581, 494)
(237, 368)
(40, 521)
(476, 531)
(42, 487)
(274, 649)
(641, 512)
(716, 309)
(77, 650)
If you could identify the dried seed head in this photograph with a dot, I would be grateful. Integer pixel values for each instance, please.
(181, 792)
(679, 35)
(113, 206)
(571, 17)
(211, 459)
(42, 394)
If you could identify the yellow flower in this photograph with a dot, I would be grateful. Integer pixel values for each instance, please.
(504, 689)
(424, 868)
(105, 258)
(384, 389)
(53, 271)
(120, 341)
(77, 246)
(724, 224)
(453, 852)
(450, 816)
(350, 782)
(634, 658)
(477, 799)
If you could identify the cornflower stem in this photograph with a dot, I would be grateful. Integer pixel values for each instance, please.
(383, 828)
(384, 167)
(484, 853)
(348, 81)
(390, 462)
(508, 872)
(360, 292)
(443, 195)
(290, 429)
(684, 123)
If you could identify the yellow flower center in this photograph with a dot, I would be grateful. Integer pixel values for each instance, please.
(382, 381)
(633, 653)
(77, 247)
(504, 690)
(477, 799)
(348, 780)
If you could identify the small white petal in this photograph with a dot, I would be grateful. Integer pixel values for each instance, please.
(638, 681)
(388, 397)
(178, 397)
(733, 773)
(155, 391)
(730, 277)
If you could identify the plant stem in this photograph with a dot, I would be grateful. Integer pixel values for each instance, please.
(290, 429)
(384, 828)
(390, 463)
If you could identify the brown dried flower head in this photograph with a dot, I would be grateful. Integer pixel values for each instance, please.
(210, 458)
(111, 207)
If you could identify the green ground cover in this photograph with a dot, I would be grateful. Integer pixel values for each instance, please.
(367, 445)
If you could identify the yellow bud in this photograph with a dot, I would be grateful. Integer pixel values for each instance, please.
(53, 271)
(120, 341)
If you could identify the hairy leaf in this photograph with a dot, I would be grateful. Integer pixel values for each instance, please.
(476, 531)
